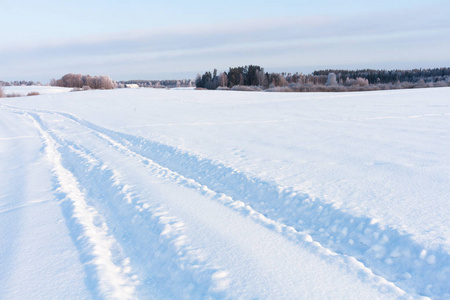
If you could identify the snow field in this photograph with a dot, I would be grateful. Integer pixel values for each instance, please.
(37, 257)
(93, 238)
(152, 215)
(397, 257)
(42, 90)
(218, 285)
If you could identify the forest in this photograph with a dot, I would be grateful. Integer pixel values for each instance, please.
(172, 83)
(254, 78)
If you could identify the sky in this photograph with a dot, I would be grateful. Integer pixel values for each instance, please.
(136, 39)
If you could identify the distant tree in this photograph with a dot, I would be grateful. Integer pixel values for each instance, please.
(252, 75)
(239, 78)
(357, 82)
(223, 79)
(106, 83)
(276, 79)
(234, 76)
(331, 81)
(260, 77)
(206, 80)
(79, 81)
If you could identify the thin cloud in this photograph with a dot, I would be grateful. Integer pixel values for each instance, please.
(301, 41)
(272, 30)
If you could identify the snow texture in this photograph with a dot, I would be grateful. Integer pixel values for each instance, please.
(42, 90)
(155, 194)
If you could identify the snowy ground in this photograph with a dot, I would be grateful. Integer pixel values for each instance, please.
(154, 193)
(42, 90)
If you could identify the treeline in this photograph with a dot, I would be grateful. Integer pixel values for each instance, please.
(242, 76)
(158, 83)
(84, 82)
(392, 76)
(254, 78)
(19, 83)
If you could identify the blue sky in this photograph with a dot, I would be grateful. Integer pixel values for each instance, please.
(41, 40)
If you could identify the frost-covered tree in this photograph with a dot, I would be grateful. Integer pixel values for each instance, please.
(223, 79)
(331, 81)
(262, 78)
(80, 81)
(106, 83)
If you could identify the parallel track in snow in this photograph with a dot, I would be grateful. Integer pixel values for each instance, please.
(359, 244)
(385, 251)
(142, 233)
(96, 244)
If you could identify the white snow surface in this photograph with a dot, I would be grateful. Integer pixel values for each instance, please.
(176, 194)
(42, 90)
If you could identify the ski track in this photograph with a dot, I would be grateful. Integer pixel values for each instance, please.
(392, 260)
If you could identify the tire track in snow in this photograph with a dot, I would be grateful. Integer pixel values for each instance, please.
(388, 253)
(347, 262)
(95, 242)
(361, 241)
(158, 250)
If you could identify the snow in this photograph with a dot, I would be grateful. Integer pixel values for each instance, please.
(37, 257)
(42, 90)
(155, 193)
